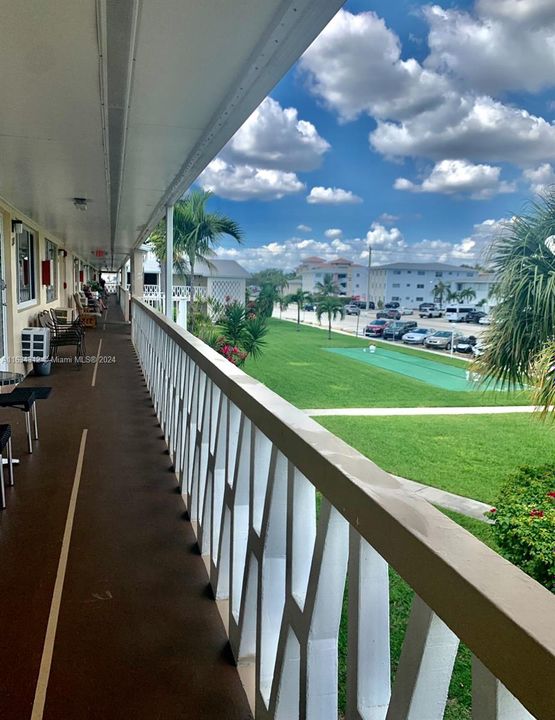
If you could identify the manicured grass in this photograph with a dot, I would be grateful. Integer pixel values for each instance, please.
(400, 601)
(469, 455)
(297, 367)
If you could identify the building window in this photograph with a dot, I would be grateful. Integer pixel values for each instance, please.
(52, 255)
(26, 289)
(396, 272)
(396, 297)
(409, 272)
(469, 274)
(421, 272)
(396, 285)
(420, 287)
(408, 284)
(419, 299)
(439, 274)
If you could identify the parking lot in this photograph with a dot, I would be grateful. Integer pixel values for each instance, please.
(351, 322)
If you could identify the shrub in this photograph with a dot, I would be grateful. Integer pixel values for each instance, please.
(524, 522)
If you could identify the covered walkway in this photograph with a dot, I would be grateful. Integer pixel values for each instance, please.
(138, 635)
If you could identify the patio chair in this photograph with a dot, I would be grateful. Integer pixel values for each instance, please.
(87, 317)
(25, 398)
(5, 441)
(63, 335)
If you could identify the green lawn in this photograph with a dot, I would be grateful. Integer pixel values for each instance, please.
(297, 367)
(470, 455)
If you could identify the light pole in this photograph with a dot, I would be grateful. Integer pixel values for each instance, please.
(368, 280)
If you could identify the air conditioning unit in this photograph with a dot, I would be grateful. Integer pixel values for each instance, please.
(35, 344)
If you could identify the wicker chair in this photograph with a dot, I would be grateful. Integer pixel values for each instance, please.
(87, 317)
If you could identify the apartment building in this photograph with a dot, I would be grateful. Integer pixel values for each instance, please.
(350, 277)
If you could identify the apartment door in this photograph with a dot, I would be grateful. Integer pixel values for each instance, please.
(3, 323)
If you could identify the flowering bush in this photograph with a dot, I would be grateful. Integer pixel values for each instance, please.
(233, 353)
(524, 522)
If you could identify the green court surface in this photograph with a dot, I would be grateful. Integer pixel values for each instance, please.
(422, 368)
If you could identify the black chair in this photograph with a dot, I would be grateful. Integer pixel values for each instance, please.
(5, 441)
(63, 334)
(23, 399)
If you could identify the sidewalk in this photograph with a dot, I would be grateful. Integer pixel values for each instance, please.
(381, 412)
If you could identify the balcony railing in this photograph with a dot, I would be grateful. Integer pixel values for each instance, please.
(251, 467)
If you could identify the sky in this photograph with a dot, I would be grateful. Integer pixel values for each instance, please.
(415, 128)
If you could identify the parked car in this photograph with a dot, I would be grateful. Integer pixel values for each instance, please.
(486, 320)
(309, 306)
(478, 349)
(417, 336)
(442, 340)
(475, 316)
(396, 330)
(430, 312)
(351, 309)
(362, 304)
(425, 306)
(393, 304)
(376, 327)
(465, 344)
(407, 311)
(390, 314)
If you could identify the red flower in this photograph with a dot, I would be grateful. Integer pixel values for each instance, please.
(551, 494)
(493, 510)
(536, 513)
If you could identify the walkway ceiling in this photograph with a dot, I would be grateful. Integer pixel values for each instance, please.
(125, 102)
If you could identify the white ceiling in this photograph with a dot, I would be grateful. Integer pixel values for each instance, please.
(125, 102)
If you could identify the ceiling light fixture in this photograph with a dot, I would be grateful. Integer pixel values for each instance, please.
(80, 203)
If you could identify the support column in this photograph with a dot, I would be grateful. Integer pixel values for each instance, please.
(169, 262)
(137, 273)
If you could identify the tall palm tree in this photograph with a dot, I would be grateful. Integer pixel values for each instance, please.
(438, 291)
(327, 287)
(451, 295)
(299, 298)
(467, 295)
(330, 306)
(196, 233)
(519, 346)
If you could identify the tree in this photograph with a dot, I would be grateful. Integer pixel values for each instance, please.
(439, 290)
(327, 287)
(267, 297)
(451, 295)
(299, 298)
(196, 233)
(270, 276)
(238, 335)
(519, 346)
(467, 295)
(330, 306)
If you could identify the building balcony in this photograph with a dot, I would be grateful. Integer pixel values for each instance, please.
(181, 541)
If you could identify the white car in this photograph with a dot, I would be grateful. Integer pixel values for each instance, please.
(442, 340)
(478, 349)
(486, 320)
(407, 311)
(417, 336)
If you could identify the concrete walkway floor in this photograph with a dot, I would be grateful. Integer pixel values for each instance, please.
(450, 501)
(384, 412)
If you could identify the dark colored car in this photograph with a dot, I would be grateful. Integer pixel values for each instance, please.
(309, 306)
(376, 327)
(465, 345)
(362, 304)
(393, 304)
(475, 316)
(396, 330)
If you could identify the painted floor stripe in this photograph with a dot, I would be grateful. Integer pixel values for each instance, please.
(48, 649)
(93, 382)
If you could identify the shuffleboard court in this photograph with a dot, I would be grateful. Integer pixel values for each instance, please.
(448, 377)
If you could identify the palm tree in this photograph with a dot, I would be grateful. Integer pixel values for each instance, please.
(519, 347)
(467, 294)
(299, 298)
(438, 292)
(330, 306)
(451, 295)
(195, 233)
(327, 287)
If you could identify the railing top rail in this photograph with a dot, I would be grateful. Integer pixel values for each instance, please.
(489, 603)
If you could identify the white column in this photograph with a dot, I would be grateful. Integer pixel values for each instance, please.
(137, 273)
(169, 262)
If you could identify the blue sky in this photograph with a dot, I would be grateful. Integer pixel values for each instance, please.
(414, 127)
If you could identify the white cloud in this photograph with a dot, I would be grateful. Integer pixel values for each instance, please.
(304, 228)
(540, 178)
(247, 183)
(508, 46)
(388, 218)
(474, 128)
(275, 139)
(331, 196)
(333, 233)
(355, 67)
(450, 177)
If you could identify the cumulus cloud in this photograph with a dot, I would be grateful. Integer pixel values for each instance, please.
(451, 177)
(507, 46)
(332, 196)
(354, 66)
(304, 228)
(275, 139)
(540, 178)
(474, 128)
(242, 182)
(388, 218)
(333, 233)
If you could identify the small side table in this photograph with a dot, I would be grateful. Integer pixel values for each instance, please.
(8, 381)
